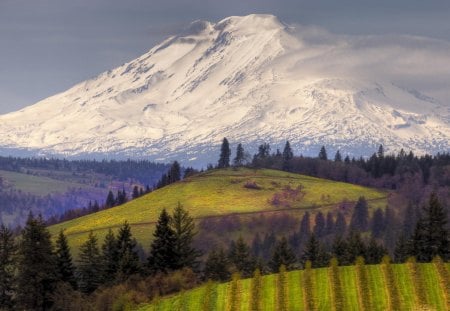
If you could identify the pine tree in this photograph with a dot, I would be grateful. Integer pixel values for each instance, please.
(377, 223)
(356, 246)
(323, 154)
(360, 216)
(288, 155)
(431, 236)
(36, 265)
(315, 253)
(240, 156)
(7, 253)
(184, 228)
(110, 200)
(109, 257)
(241, 257)
(162, 250)
(65, 266)
(305, 228)
(338, 157)
(128, 258)
(374, 252)
(403, 249)
(341, 225)
(225, 153)
(217, 266)
(90, 265)
(341, 252)
(135, 192)
(174, 173)
(319, 226)
(329, 226)
(282, 255)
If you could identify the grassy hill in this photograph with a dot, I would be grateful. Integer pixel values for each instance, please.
(218, 193)
(413, 287)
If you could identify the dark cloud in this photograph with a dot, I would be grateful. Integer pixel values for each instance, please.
(48, 45)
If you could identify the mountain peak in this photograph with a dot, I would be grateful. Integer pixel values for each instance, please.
(247, 79)
(250, 23)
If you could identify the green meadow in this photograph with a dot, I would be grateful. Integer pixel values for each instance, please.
(218, 193)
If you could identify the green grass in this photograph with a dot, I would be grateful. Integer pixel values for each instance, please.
(322, 290)
(38, 185)
(217, 193)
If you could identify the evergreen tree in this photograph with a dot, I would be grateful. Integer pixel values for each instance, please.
(110, 200)
(90, 265)
(7, 253)
(305, 227)
(338, 157)
(36, 265)
(323, 154)
(282, 255)
(217, 266)
(109, 257)
(135, 192)
(360, 216)
(341, 225)
(64, 264)
(174, 173)
(315, 253)
(377, 223)
(184, 229)
(241, 257)
(257, 245)
(402, 249)
(409, 220)
(128, 258)
(391, 228)
(431, 236)
(225, 153)
(374, 252)
(340, 251)
(356, 246)
(268, 245)
(380, 152)
(319, 226)
(288, 155)
(240, 156)
(162, 250)
(329, 227)
(121, 197)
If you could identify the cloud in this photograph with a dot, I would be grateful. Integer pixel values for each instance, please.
(412, 61)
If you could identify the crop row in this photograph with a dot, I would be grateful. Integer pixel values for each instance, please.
(411, 286)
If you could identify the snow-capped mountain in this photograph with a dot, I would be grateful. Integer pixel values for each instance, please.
(251, 79)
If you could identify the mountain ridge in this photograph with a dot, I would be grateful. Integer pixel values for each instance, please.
(251, 79)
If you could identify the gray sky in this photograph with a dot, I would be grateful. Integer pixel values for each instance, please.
(46, 46)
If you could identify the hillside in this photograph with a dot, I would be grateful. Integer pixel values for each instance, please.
(248, 78)
(219, 193)
(413, 287)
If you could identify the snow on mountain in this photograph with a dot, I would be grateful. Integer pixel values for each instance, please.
(251, 79)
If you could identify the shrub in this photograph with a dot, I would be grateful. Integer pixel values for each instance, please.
(419, 290)
(444, 278)
(252, 185)
(362, 281)
(391, 284)
(234, 293)
(282, 288)
(308, 288)
(336, 288)
(255, 294)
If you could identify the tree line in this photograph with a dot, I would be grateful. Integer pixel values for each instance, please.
(33, 269)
